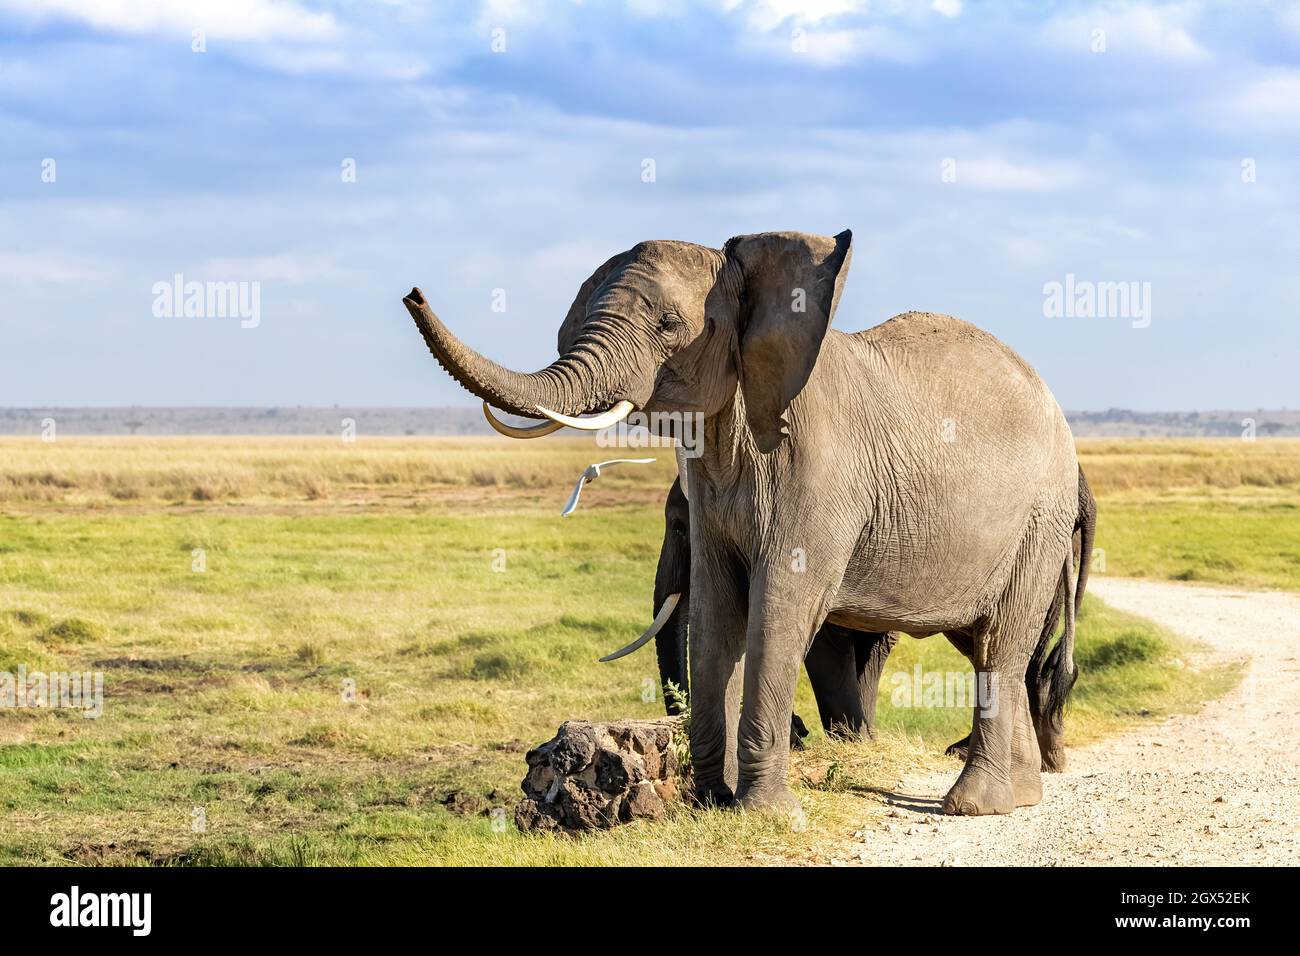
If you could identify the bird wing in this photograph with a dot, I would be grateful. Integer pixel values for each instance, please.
(572, 506)
(593, 471)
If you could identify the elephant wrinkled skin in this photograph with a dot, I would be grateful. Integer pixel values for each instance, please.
(845, 688)
(915, 477)
(844, 666)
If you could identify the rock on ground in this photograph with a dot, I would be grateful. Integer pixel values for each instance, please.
(593, 776)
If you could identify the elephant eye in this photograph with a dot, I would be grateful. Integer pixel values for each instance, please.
(673, 328)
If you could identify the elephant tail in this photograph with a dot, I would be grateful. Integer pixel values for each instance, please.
(1087, 528)
(1048, 685)
(1058, 673)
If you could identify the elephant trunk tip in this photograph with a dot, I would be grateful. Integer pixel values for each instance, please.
(415, 297)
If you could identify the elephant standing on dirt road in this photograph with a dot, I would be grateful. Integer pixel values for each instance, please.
(921, 469)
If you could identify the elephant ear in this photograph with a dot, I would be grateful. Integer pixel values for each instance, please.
(792, 285)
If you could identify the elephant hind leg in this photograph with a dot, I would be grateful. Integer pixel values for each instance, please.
(1003, 761)
(985, 784)
(1047, 729)
(1026, 759)
(1002, 769)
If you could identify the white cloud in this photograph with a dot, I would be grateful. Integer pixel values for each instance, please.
(1160, 31)
(827, 47)
(948, 8)
(768, 14)
(51, 267)
(1026, 250)
(511, 13)
(1290, 17)
(225, 19)
(1000, 174)
(1273, 98)
(657, 8)
(834, 47)
(286, 267)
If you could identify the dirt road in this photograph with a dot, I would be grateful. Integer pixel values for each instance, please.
(1217, 787)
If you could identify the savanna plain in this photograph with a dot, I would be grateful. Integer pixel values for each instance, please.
(338, 653)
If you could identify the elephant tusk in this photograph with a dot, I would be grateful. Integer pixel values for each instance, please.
(665, 612)
(517, 431)
(594, 424)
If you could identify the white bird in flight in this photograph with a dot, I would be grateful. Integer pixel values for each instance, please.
(591, 473)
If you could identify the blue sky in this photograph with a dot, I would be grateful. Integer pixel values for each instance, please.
(522, 170)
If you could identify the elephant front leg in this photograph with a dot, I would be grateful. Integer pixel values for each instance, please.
(844, 667)
(717, 643)
(871, 653)
(833, 673)
(777, 638)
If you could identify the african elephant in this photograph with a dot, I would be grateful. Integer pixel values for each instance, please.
(843, 666)
(845, 694)
(921, 470)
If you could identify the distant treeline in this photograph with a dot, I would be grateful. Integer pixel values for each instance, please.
(1122, 423)
(283, 420)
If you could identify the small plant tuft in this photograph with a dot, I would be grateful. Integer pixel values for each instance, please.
(73, 630)
(310, 653)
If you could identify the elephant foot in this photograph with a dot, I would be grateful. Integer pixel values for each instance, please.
(779, 802)
(849, 731)
(714, 795)
(1054, 761)
(979, 793)
(1028, 787)
(798, 731)
(959, 749)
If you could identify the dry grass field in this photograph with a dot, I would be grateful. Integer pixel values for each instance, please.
(229, 589)
(86, 471)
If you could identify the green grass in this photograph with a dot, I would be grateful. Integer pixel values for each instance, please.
(349, 656)
(1131, 669)
(225, 688)
(1249, 541)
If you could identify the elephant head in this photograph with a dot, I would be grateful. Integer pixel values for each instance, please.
(672, 327)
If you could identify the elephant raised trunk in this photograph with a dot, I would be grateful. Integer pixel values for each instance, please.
(567, 386)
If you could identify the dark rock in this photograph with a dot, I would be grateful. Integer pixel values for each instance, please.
(531, 815)
(575, 745)
(643, 801)
(584, 807)
(594, 776)
(617, 771)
